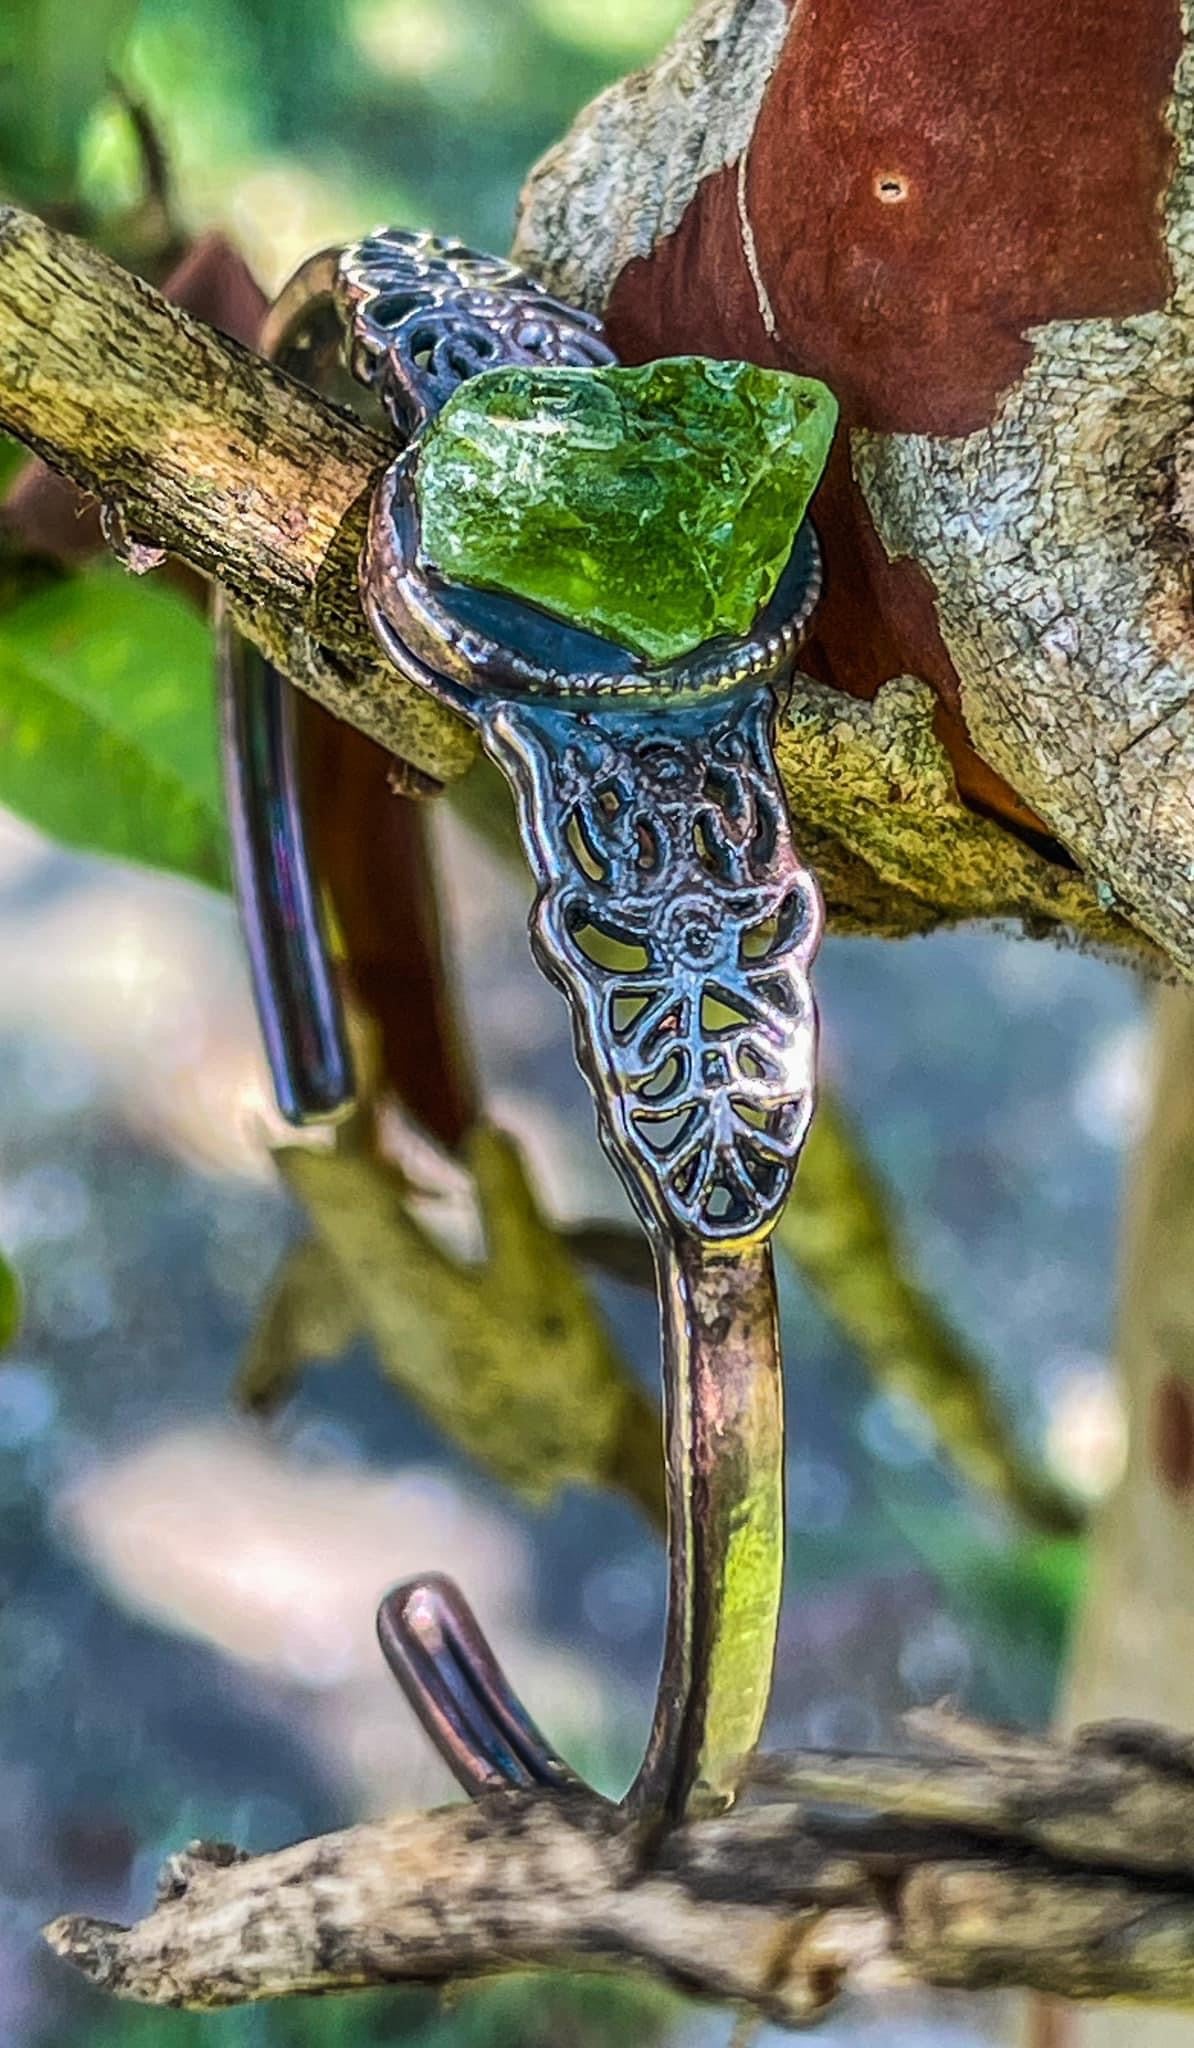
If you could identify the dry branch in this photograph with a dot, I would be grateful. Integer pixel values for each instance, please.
(197, 446)
(1006, 1862)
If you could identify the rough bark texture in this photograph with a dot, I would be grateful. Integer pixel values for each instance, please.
(978, 225)
(1007, 1862)
(198, 447)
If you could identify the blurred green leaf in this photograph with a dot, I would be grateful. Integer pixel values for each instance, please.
(624, 31)
(541, 2010)
(107, 730)
(547, 2008)
(1016, 1602)
(56, 60)
(1026, 1599)
(507, 1355)
(10, 1303)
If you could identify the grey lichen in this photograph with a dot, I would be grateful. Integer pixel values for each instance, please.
(1053, 542)
(873, 780)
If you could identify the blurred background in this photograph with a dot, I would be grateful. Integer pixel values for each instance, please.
(186, 1594)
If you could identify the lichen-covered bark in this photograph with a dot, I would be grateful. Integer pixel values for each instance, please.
(1062, 590)
(195, 445)
(199, 447)
(978, 226)
(1008, 1862)
(871, 784)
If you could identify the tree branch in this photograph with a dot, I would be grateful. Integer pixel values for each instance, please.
(1006, 512)
(196, 445)
(1008, 1862)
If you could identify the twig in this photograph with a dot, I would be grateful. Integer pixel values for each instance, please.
(1020, 1863)
(215, 455)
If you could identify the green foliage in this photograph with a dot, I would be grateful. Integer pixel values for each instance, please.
(536, 2011)
(428, 110)
(55, 63)
(107, 729)
(1020, 1603)
(10, 1304)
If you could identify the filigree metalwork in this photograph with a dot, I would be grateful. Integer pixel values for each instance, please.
(425, 314)
(675, 916)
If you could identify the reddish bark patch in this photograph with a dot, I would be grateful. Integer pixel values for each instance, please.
(925, 183)
(928, 181)
(877, 618)
(694, 294)
(1172, 1436)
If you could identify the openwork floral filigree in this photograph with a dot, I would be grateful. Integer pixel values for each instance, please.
(427, 314)
(680, 925)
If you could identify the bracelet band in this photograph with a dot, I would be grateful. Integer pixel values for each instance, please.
(676, 920)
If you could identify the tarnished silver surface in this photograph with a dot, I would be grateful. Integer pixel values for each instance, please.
(424, 314)
(674, 915)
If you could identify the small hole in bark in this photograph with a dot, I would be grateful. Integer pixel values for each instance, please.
(1173, 1436)
(890, 187)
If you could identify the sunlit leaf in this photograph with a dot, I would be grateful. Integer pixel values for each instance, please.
(56, 61)
(107, 727)
(309, 1317)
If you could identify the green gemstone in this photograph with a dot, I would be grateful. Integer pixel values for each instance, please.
(656, 505)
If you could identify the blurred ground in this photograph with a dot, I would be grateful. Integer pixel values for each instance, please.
(185, 1630)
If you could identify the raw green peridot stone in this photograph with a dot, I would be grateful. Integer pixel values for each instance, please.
(656, 506)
